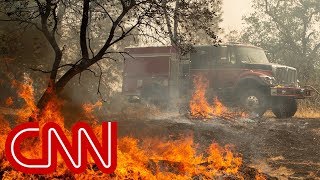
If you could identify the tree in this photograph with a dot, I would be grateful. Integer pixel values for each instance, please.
(233, 35)
(16, 45)
(199, 19)
(288, 30)
(124, 18)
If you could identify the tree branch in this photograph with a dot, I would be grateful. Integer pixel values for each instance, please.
(83, 29)
(100, 78)
(122, 53)
(105, 11)
(168, 21)
(21, 21)
(44, 12)
(175, 22)
(111, 35)
(44, 71)
(55, 18)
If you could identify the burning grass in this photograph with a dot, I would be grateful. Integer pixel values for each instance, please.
(137, 159)
(200, 108)
(150, 159)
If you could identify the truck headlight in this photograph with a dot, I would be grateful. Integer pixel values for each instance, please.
(268, 79)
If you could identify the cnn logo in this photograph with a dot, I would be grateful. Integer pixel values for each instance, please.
(54, 140)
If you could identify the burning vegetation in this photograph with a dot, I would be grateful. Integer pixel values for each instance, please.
(137, 159)
(200, 108)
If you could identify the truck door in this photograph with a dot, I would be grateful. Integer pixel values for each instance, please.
(200, 62)
(227, 70)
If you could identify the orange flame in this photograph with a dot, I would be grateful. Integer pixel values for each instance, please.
(26, 92)
(260, 176)
(146, 159)
(199, 106)
(219, 108)
(88, 109)
(9, 101)
(201, 109)
(173, 160)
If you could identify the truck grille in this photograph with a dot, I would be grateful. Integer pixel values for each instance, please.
(286, 76)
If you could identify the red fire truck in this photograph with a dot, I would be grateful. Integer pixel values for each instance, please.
(238, 74)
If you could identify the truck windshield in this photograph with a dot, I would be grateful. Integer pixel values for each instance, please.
(251, 55)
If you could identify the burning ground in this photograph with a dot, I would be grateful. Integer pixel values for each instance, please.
(162, 156)
(171, 146)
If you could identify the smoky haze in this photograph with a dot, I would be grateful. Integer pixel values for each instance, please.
(233, 11)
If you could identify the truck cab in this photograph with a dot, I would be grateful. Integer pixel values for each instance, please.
(243, 75)
(238, 74)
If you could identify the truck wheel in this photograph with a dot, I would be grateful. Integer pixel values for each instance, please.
(254, 101)
(284, 107)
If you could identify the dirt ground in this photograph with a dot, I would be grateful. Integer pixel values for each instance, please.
(283, 148)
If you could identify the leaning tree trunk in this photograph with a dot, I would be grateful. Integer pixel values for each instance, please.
(54, 89)
(46, 97)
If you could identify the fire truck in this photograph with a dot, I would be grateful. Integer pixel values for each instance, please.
(238, 74)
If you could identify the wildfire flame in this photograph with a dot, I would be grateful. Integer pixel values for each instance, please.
(26, 92)
(145, 159)
(200, 108)
(9, 101)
